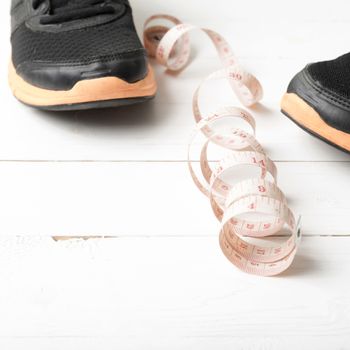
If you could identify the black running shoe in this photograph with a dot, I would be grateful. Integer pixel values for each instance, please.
(318, 100)
(77, 54)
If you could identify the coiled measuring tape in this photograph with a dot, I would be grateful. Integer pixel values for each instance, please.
(236, 205)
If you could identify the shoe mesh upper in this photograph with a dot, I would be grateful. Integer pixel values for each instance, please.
(333, 75)
(107, 41)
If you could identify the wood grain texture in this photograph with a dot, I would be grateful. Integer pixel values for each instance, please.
(150, 199)
(177, 293)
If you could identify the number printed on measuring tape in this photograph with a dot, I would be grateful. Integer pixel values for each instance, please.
(235, 205)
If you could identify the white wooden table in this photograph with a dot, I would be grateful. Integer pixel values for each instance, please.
(163, 282)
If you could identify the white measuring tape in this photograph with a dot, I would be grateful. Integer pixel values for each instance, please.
(235, 204)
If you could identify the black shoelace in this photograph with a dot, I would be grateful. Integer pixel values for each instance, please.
(69, 10)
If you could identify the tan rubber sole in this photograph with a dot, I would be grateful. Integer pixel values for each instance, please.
(85, 91)
(305, 116)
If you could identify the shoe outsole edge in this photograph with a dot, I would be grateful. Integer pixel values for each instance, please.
(86, 94)
(302, 114)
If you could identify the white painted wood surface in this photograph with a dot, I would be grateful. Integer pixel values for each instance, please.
(168, 293)
(151, 199)
(164, 284)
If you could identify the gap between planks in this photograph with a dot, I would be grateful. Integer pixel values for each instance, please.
(72, 161)
(86, 238)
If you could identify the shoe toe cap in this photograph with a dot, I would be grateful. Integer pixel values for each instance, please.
(332, 108)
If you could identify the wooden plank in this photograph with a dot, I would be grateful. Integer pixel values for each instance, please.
(150, 199)
(270, 45)
(226, 11)
(174, 293)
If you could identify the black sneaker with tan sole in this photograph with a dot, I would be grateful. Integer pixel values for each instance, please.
(77, 54)
(318, 100)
